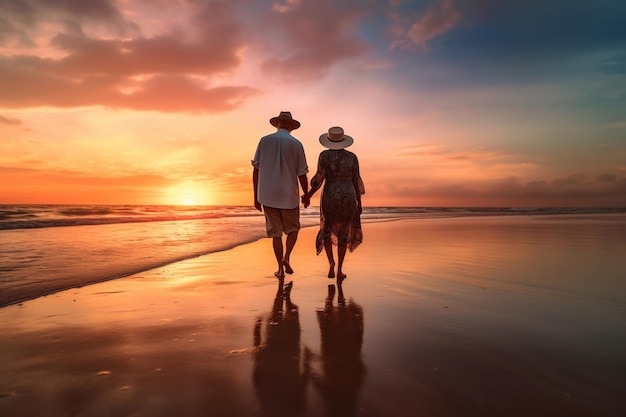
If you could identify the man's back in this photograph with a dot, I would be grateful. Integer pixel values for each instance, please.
(280, 159)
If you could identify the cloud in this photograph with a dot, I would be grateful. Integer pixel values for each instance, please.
(475, 162)
(577, 189)
(438, 19)
(285, 6)
(26, 83)
(28, 185)
(177, 70)
(580, 190)
(616, 65)
(310, 36)
(50, 178)
(33, 12)
(10, 121)
(606, 178)
(94, 53)
(63, 186)
(21, 21)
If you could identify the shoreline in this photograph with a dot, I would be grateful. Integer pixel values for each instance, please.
(367, 220)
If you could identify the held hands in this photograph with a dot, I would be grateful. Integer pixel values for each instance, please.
(306, 200)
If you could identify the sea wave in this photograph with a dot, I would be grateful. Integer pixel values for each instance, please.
(44, 216)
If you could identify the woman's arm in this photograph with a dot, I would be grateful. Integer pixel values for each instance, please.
(359, 187)
(306, 197)
(316, 181)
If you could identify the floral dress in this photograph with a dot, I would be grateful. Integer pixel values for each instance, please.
(340, 220)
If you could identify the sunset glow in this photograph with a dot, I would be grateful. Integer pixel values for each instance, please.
(450, 102)
(189, 194)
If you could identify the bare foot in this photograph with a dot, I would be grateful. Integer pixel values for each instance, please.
(331, 271)
(341, 275)
(279, 274)
(288, 268)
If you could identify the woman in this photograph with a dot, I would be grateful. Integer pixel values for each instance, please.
(340, 204)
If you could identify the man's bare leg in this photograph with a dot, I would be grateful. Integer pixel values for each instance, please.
(328, 246)
(277, 243)
(290, 243)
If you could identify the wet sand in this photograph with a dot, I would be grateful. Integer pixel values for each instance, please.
(498, 316)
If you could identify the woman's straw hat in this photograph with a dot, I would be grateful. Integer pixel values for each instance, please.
(336, 139)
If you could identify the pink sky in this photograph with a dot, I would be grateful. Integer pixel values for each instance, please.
(450, 102)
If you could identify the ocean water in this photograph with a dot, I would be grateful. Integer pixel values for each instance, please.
(48, 248)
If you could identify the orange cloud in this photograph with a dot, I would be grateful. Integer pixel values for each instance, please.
(137, 73)
(477, 162)
(40, 184)
(26, 185)
(10, 121)
(74, 178)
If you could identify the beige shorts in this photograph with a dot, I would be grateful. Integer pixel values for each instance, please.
(279, 221)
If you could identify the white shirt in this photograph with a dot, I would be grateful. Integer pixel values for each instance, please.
(280, 160)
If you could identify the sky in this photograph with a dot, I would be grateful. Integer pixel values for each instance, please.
(450, 102)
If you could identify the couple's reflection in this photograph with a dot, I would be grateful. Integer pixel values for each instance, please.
(282, 366)
(343, 370)
(279, 376)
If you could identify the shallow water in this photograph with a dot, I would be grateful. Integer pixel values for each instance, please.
(44, 249)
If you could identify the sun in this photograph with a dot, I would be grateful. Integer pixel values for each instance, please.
(188, 201)
(189, 194)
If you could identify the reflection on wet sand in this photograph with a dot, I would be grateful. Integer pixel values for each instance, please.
(282, 364)
(279, 379)
(343, 370)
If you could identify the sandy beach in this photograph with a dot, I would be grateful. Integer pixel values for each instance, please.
(494, 316)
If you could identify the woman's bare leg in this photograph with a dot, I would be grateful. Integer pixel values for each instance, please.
(328, 246)
(341, 254)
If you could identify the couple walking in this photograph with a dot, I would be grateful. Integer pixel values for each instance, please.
(280, 170)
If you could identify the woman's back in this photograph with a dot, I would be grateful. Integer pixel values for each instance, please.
(339, 164)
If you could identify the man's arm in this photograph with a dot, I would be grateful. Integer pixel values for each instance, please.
(255, 185)
(304, 183)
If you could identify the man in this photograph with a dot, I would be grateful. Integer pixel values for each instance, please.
(279, 165)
